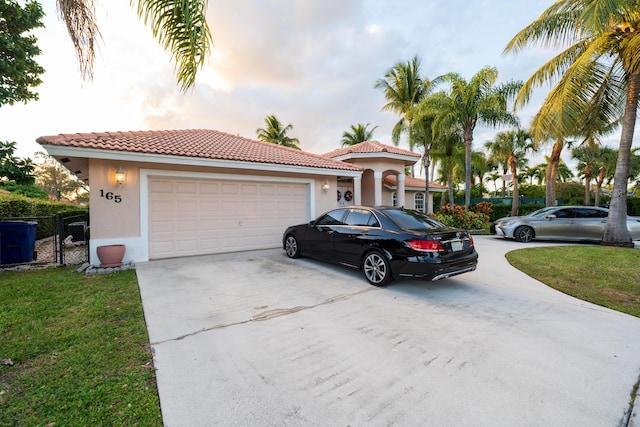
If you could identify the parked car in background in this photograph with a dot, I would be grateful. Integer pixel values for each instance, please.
(585, 223)
(384, 243)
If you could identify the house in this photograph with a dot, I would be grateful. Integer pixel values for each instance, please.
(191, 192)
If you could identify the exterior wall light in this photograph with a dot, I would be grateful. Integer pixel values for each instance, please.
(326, 186)
(120, 175)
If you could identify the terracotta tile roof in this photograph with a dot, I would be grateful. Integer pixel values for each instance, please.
(196, 143)
(369, 147)
(392, 181)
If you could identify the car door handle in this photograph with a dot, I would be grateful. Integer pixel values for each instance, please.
(330, 231)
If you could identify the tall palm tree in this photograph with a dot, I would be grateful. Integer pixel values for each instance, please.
(514, 144)
(598, 75)
(276, 133)
(449, 154)
(466, 103)
(358, 133)
(403, 87)
(179, 26)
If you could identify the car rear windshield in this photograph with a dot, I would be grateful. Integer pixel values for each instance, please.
(412, 220)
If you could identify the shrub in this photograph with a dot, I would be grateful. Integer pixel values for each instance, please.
(460, 218)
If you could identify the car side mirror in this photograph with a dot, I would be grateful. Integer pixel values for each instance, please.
(551, 217)
(312, 223)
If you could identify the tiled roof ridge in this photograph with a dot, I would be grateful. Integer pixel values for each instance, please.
(362, 147)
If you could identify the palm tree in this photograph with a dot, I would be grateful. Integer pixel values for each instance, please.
(494, 177)
(403, 87)
(465, 104)
(499, 158)
(587, 156)
(179, 26)
(598, 76)
(515, 145)
(276, 133)
(449, 154)
(357, 134)
(604, 165)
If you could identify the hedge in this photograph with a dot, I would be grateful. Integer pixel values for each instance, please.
(19, 207)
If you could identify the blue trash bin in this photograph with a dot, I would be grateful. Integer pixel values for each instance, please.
(17, 241)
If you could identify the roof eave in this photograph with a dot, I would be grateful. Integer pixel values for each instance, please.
(92, 153)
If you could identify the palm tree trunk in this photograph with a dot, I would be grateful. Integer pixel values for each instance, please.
(552, 173)
(587, 185)
(599, 181)
(427, 163)
(451, 202)
(514, 177)
(616, 233)
(468, 141)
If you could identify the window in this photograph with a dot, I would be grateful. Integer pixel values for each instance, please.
(362, 218)
(418, 201)
(331, 218)
(394, 199)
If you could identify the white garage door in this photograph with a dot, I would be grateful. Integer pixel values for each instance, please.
(196, 217)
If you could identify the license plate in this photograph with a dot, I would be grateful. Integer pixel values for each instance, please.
(457, 245)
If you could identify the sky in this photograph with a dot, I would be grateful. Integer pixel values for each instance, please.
(312, 63)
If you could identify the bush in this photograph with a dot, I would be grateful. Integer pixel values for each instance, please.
(20, 207)
(32, 191)
(460, 218)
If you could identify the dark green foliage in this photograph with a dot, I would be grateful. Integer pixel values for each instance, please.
(41, 211)
(571, 193)
(32, 191)
(532, 191)
(19, 72)
(14, 168)
(633, 206)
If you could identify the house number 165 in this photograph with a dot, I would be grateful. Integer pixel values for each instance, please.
(110, 196)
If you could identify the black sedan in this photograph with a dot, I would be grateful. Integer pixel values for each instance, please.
(384, 243)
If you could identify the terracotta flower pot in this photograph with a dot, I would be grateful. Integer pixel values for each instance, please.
(110, 255)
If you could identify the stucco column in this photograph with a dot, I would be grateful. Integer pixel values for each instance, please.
(377, 179)
(400, 194)
(357, 190)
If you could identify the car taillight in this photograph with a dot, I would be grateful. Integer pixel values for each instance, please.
(470, 240)
(426, 245)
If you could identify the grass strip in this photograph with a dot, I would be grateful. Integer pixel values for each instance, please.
(74, 350)
(603, 275)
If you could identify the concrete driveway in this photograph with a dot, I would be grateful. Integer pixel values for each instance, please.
(257, 339)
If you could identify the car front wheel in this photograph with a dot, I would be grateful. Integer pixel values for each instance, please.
(291, 247)
(524, 234)
(376, 269)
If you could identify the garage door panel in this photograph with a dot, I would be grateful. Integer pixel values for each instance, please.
(190, 217)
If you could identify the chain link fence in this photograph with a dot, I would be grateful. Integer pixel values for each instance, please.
(58, 239)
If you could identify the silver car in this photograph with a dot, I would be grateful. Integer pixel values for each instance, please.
(561, 223)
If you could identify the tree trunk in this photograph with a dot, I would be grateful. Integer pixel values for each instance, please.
(451, 202)
(427, 163)
(616, 233)
(468, 141)
(599, 182)
(514, 177)
(587, 185)
(552, 173)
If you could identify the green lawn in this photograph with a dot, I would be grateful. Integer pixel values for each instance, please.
(74, 351)
(79, 346)
(603, 275)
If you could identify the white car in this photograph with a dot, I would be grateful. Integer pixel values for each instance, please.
(561, 223)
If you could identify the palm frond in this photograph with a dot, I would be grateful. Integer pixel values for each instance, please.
(181, 28)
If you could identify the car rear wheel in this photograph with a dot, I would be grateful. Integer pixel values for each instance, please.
(376, 269)
(524, 234)
(291, 247)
